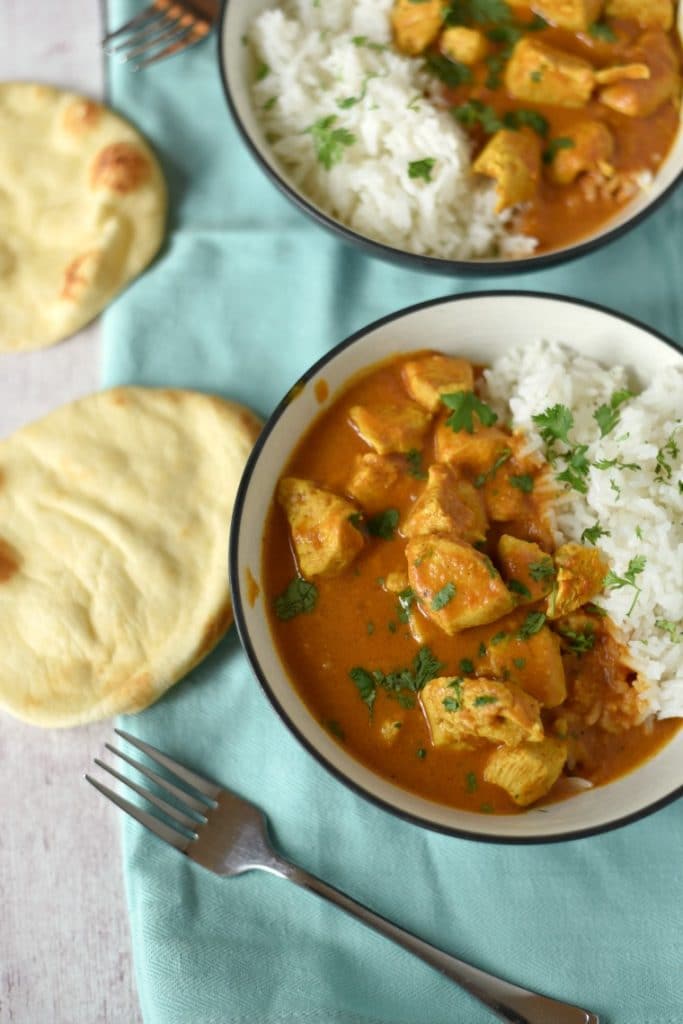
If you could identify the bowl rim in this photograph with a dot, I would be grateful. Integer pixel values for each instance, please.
(236, 588)
(430, 264)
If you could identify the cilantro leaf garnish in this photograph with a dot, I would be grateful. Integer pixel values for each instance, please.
(466, 666)
(383, 524)
(450, 72)
(422, 168)
(674, 631)
(633, 569)
(477, 12)
(663, 468)
(554, 147)
(366, 685)
(481, 479)
(578, 643)
(300, 597)
(454, 703)
(518, 588)
(554, 424)
(523, 482)
(329, 142)
(475, 112)
(406, 599)
(593, 533)
(533, 623)
(443, 597)
(486, 698)
(600, 30)
(607, 416)
(576, 468)
(414, 460)
(516, 119)
(471, 782)
(542, 570)
(466, 405)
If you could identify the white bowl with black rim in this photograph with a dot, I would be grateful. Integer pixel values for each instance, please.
(478, 327)
(236, 66)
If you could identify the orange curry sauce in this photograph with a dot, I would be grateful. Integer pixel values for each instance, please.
(357, 622)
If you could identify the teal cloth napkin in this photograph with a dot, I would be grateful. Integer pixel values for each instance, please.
(245, 295)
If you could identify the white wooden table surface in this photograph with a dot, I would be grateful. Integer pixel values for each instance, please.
(64, 941)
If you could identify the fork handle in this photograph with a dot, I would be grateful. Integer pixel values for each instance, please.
(508, 1002)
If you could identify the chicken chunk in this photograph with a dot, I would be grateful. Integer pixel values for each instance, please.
(529, 771)
(373, 475)
(513, 159)
(526, 564)
(429, 377)
(574, 15)
(473, 453)
(503, 500)
(325, 541)
(580, 575)
(639, 98)
(592, 149)
(650, 14)
(416, 25)
(462, 711)
(447, 505)
(532, 662)
(465, 45)
(538, 73)
(455, 585)
(391, 428)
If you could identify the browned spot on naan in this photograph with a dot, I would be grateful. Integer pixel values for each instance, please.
(81, 116)
(79, 274)
(9, 561)
(121, 167)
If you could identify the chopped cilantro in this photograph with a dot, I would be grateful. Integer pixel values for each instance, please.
(262, 71)
(454, 703)
(414, 460)
(482, 650)
(486, 698)
(471, 782)
(356, 519)
(593, 533)
(533, 623)
(481, 479)
(554, 147)
(450, 72)
(617, 463)
(477, 12)
(554, 424)
(421, 753)
(383, 524)
(351, 101)
(366, 685)
(498, 638)
(519, 663)
(300, 597)
(466, 666)
(475, 112)
(576, 468)
(674, 631)
(526, 118)
(633, 569)
(335, 728)
(406, 599)
(542, 570)
(518, 588)
(329, 142)
(663, 468)
(370, 628)
(594, 609)
(607, 416)
(443, 597)
(422, 168)
(600, 30)
(465, 406)
(523, 482)
(579, 643)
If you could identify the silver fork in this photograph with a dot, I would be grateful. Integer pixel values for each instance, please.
(228, 835)
(164, 28)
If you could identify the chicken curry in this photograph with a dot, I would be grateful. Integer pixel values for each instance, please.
(571, 105)
(424, 611)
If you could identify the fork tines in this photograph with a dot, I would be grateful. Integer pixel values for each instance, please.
(158, 31)
(188, 810)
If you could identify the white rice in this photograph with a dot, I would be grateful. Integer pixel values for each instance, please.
(642, 509)
(312, 56)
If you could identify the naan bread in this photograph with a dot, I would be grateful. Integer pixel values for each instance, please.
(114, 520)
(82, 211)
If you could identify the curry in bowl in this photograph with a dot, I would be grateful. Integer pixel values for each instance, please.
(476, 130)
(426, 608)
